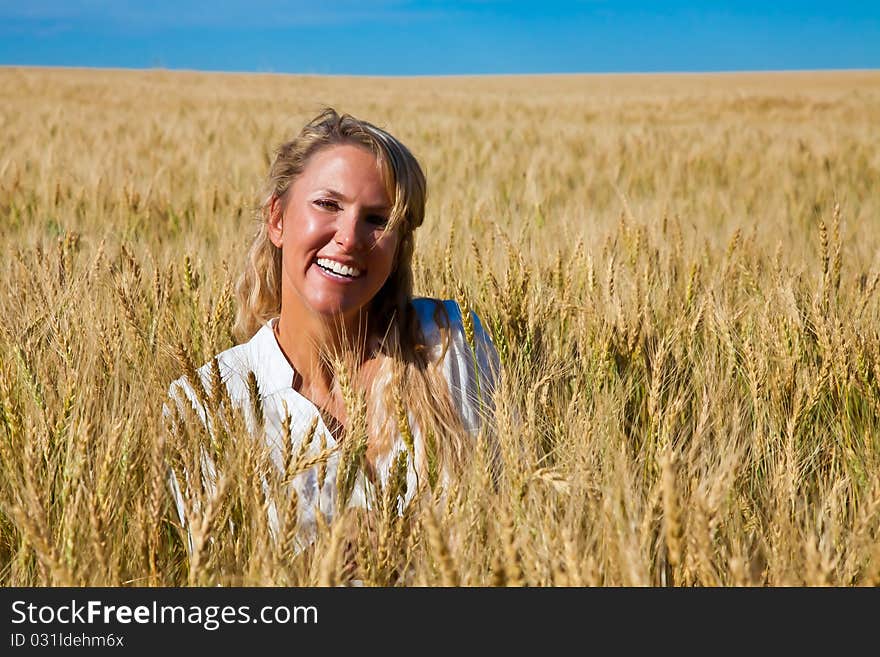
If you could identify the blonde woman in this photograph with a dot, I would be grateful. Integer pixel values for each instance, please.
(329, 275)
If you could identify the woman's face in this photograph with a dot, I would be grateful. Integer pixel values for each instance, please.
(335, 254)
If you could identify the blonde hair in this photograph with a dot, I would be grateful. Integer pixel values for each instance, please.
(403, 351)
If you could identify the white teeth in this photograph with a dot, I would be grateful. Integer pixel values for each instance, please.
(339, 268)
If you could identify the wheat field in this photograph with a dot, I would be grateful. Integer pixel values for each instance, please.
(679, 271)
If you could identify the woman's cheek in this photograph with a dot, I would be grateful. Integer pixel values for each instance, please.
(388, 242)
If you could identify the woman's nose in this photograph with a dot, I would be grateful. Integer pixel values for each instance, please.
(348, 231)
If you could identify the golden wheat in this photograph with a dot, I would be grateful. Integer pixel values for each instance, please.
(679, 272)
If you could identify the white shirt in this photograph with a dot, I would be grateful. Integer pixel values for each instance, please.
(471, 375)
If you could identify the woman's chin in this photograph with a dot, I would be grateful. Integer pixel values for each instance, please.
(336, 310)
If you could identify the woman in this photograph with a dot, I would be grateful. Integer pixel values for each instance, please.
(328, 281)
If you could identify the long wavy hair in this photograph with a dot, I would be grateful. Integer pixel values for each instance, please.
(408, 383)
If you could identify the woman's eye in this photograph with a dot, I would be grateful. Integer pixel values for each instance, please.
(327, 204)
(377, 220)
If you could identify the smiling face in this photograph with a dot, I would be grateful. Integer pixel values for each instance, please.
(335, 253)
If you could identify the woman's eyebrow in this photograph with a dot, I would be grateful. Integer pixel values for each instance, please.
(342, 197)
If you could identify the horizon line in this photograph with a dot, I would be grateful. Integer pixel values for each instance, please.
(165, 69)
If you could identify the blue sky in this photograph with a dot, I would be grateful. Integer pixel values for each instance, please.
(425, 37)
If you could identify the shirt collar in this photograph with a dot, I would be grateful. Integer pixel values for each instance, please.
(273, 371)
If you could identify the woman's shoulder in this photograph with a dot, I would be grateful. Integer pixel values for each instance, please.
(233, 365)
(434, 313)
(445, 327)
